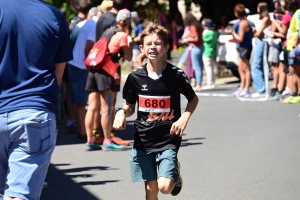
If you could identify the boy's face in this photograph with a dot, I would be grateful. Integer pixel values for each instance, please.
(153, 47)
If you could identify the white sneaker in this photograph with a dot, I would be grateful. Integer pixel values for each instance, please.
(257, 95)
(286, 91)
(208, 87)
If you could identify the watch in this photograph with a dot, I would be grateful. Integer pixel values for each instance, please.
(118, 109)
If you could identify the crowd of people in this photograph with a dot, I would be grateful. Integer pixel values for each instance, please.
(32, 68)
(276, 40)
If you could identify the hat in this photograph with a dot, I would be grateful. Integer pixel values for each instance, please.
(209, 23)
(106, 5)
(125, 15)
(134, 15)
(295, 53)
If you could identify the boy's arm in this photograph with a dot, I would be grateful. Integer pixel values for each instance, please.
(120, 117)
(179, 126)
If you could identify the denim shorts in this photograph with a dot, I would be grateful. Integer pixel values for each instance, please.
(27, 141)
(147, 166)
(77, 79)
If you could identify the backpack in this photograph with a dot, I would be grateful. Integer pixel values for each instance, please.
(99, 54)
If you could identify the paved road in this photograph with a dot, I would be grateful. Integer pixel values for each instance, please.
(231, 150)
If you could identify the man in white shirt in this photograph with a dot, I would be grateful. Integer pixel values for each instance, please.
(77, 70)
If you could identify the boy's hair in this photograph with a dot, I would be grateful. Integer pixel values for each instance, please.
(120, 4)
(155, 29)
(239, 9)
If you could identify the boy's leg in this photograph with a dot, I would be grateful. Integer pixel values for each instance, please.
(144, 169)
(169, 181)
(152, 190)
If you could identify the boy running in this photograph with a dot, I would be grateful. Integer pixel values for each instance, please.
(156, 86)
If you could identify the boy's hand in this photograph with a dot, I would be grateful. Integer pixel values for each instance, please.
(179, 126)
(120, 121)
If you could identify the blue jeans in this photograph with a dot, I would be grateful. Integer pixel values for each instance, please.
(197, 63)
(144, 165)
(257, 67)
(27, 140)
(183, 58)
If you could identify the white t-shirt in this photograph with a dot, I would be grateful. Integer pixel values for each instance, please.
(87, 32)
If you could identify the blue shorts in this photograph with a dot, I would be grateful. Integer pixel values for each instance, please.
(147, 166)
(27, 141)
(77, 79)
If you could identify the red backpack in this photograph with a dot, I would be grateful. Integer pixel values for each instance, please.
(99, 54)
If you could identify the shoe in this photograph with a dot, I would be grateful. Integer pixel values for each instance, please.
(286, 91)
(295, 100)
(179, 183)
(257, 95)
(197, 89)
(245, 93)
(273, 92)
(119, 141)
(92, 147)
(237, 93)
(45, 185)
(70, 129)
(97, 137)
(81, 138)
(287, 100)
(276, 97)
(113, 147)
(208, 87)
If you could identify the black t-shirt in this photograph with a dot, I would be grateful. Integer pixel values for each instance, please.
(106, 20)
(158, 106)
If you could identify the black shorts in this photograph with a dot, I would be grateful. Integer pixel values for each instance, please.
(244, 52)
(286, 60)
(99, 81)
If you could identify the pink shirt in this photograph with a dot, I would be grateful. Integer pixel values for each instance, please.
(286, 19)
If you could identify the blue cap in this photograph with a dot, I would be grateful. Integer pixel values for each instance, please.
(209, 23)
(295, 53)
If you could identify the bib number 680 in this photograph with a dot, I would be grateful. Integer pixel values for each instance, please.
(155, 103)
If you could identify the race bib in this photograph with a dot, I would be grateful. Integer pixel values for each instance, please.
(154, 104)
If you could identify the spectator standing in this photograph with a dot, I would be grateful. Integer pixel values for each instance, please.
(210, 39)
(294, 62)
(31, 69)
(258, 63)
(283, 69)
(107, 20)
(195, 41)
(243, 34)
(137, 31)
(77, 71)
(101, 86)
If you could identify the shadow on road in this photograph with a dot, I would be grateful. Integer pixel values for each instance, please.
(62, 185)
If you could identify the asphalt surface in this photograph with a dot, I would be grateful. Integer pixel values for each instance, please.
(231, 150)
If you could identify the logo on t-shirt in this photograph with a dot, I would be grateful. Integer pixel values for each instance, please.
(144, 87)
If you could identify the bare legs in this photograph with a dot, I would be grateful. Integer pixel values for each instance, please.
(164, 185)
(245, 74)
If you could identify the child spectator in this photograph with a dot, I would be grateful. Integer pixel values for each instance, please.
(210, 39)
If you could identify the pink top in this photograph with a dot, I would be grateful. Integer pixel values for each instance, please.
(117, 41)
(286, 19)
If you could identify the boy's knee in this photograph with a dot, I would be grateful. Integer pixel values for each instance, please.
(166, 187)
(152, 188)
